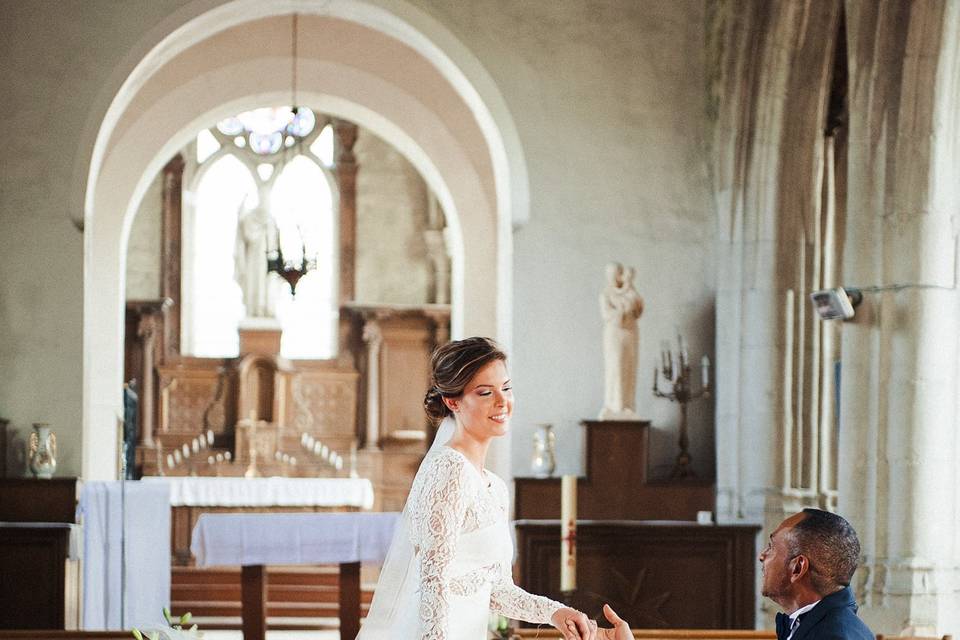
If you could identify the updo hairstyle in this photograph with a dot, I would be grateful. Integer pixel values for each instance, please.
(452, 366)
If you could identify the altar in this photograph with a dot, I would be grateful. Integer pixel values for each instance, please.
(254, 540)
(191, 497)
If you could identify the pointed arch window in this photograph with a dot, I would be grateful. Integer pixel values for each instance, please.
(274, 158)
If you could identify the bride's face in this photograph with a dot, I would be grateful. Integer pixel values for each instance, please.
(486, 405)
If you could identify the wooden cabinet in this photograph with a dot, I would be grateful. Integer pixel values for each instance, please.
(638, 544)
(655, 575)
(39, 580)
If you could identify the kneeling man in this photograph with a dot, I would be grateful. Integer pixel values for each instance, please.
(807, 568)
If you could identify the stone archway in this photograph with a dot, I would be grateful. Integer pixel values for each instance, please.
(202, 71)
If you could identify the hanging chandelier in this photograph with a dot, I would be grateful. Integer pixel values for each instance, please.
(290, 269)
(269, 129)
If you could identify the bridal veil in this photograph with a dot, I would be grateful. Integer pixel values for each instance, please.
(398, 576)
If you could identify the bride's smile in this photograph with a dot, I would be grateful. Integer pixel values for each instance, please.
(486, 405)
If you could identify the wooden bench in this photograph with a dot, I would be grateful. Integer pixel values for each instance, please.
(41, 634)
(308, 593)
(549, 633)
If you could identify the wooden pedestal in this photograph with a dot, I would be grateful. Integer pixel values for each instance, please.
(616, 485)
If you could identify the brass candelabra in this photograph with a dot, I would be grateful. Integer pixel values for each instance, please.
(675, 369)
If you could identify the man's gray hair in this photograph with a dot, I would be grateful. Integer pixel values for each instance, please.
(831, 545)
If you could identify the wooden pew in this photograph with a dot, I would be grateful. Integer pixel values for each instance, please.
(42, 634)
(549, 633)
(298, 592)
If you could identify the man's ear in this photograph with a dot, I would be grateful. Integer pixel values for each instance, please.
(452, 403)
(800, 566)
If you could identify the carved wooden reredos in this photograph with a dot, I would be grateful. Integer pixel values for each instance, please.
(265, 403)
(358, 413)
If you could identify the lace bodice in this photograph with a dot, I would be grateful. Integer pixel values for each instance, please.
(449, 501)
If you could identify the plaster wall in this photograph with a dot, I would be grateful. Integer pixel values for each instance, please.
(143, 248)
(608, 101)
(56, 61)
(391, 264)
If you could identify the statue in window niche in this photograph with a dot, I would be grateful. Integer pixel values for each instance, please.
(620, 308)
(256, 234)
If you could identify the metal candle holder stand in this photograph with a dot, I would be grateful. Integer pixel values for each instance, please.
(681, 392)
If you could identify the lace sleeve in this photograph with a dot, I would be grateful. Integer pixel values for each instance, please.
(436, 521)
(509, 600)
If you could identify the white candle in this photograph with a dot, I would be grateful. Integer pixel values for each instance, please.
(568, 536)
(705, 371)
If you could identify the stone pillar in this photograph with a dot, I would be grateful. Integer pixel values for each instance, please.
(898, 484)
(373, 339)
(170, 269)
(345, 136)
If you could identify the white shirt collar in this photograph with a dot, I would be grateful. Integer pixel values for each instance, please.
(802, 610)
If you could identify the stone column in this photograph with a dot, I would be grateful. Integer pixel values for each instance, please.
(345, 136)
(898, 484)
(170, 251)
(373, 339)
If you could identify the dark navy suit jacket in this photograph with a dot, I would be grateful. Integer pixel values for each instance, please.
(834, 618)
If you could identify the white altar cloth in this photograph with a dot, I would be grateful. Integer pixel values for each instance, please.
(126, 554)
(268, 492)
(230, 539)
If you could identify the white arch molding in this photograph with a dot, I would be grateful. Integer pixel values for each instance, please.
(212, 60)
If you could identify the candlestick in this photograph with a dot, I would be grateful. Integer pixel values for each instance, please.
(676, 370)
(568, 528)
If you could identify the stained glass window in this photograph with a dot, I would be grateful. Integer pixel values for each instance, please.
(322, 147)
(275, 153)
(269, 129)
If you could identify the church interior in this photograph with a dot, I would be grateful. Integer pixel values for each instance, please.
(248, 224)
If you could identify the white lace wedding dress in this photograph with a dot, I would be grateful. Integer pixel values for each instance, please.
(462, 557)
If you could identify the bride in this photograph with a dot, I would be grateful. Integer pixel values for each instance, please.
(449, 565)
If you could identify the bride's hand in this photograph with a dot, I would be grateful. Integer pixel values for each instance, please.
(573, 624)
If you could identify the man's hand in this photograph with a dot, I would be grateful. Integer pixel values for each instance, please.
(573, 624)
(620, 629)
